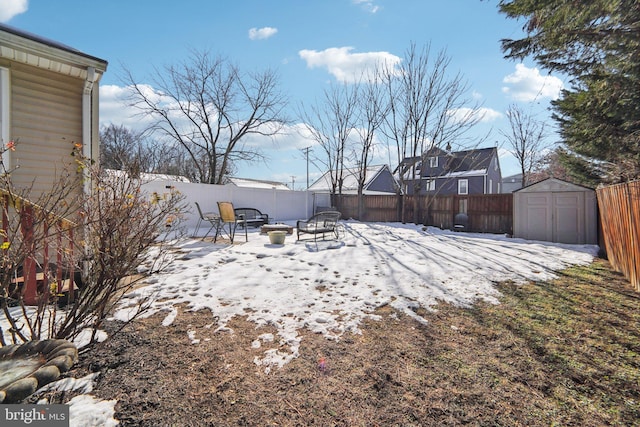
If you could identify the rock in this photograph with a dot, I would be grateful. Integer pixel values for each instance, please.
(70, 351)
(20, 389)
(46, 374)
(63, 362)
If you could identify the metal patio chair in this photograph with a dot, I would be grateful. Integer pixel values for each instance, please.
(229, 221)
(210, 217)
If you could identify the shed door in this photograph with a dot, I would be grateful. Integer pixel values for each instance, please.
(568, 217)
(537, 217)
(555, 217)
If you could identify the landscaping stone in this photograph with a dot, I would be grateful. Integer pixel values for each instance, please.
(53, 356)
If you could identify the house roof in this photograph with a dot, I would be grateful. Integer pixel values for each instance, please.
(148, 177)
(350, 180)
(471, 160)
(22, 46)
(256, 183)
(458, 163)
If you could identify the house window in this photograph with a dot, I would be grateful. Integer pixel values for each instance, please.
(490, 189)
(463, 186)
(430, 185)
(433, 162)
(4, 115)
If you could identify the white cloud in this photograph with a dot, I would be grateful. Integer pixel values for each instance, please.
(527, 84)
(114, 108)
(11, 8)
(290, 137)
(483, 114)
(368, 5)
(262, 33)
(344, 65)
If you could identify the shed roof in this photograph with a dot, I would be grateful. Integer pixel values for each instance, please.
(553, 185)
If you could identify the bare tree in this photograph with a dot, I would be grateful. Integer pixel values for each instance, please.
(124, 149)
(208, 108)
(525, 138)
(428, 109)
(550, 165)
(372, 108)
(330, 124)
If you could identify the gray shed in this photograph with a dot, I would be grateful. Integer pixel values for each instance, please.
(556, 211)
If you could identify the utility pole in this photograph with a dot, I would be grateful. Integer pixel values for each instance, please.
(293, 182)
(306, 151)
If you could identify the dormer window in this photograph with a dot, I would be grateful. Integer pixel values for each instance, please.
(433, 162)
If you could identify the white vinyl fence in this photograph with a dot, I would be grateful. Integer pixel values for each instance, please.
(280, 205)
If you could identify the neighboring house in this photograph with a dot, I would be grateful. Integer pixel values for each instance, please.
(148, 177)
(255, 183)
(462, 172)
(379, 180)
(511, 183)
(48, 103)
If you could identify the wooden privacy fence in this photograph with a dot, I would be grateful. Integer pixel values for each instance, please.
(487, 213)
(620, 218)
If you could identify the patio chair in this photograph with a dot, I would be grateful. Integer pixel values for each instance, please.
(325, 222)
(210, 217)
(229, 221)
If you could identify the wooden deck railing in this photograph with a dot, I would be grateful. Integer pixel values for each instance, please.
(37, 232)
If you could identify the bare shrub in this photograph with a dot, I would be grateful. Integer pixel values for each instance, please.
(104, 241)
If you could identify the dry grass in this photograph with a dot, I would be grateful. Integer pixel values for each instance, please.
(566, 352)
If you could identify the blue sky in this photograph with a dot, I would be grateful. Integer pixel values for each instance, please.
(310, 43)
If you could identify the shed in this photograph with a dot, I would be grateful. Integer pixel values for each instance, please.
(556, 211)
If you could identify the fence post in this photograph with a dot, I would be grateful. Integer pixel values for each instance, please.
(633, 272)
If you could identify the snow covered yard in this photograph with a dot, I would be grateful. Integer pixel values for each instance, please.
(328, 287)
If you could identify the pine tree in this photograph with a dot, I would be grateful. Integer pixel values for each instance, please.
(597, 44)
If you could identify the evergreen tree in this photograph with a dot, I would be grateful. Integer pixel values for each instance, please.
(596, 43)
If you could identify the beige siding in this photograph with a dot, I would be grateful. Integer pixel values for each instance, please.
(46, 120)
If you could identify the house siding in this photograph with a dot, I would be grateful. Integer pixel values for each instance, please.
(494, 177)
(476, 184)
(46, 120)
(448, 186)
